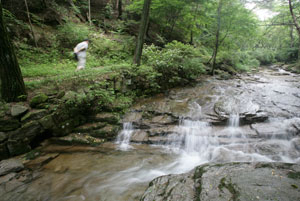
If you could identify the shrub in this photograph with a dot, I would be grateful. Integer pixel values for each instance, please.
(264, 56)
(176, 64)
(70, 34)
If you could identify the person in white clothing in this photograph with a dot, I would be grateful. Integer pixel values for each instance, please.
(80, 51)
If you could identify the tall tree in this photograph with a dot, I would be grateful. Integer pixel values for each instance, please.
(217, 41)
(142, 33)
(90, 15)
(30, 24)
(296, 24)
(12, 84)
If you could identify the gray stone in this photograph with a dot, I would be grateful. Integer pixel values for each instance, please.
(232, 181)
(18, 110)
(10, 165)
(139, 136)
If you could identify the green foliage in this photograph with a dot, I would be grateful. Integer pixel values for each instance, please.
(176, 64)
(264, 56)
(240, 61)
(287, 54)
(70, 34)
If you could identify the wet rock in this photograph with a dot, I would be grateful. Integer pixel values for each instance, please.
(296, 143)
(139, 136)
(232, 181)
(283, 129)
(40, 161)
(133, 117)
(160, 120)
(38, 99)
(18, 110)
(11, 165)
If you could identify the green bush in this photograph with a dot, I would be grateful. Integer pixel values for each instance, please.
(264, 56)
(69, 34)
(176, 64)
(287, 54)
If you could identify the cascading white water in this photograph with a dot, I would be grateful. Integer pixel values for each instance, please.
(123, 138)
(234, 120)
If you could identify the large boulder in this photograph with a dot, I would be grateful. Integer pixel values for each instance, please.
(18, 110)
(232, 181)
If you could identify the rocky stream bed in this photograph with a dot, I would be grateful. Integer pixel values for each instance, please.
(235, 139)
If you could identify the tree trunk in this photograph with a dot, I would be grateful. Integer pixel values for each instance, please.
(120, 9)
(217, 38)
(12, 84)
(142, 33)
(90, 15)
(292, 35)
(30, 24)
(296, 25)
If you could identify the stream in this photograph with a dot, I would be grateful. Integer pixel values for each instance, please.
(254, 117)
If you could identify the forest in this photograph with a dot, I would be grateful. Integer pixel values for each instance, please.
(198, 97)
(183, 39)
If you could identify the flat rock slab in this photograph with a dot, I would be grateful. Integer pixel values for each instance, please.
(11, 165)
(231, 181)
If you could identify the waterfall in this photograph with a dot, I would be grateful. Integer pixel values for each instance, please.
(123, 138)
(234, 120)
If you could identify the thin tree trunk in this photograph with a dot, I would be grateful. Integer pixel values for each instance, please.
(217, 38)
(296, 25)
(120, 12)
(12, 84)
(30, 24)
(292, 35)
(90, 15)
(142, 33)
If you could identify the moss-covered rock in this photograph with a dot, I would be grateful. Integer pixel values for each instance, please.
(47, 122)
(34, 115)
(109, 132)
(27, 132)
(111, 118)
(38, 99)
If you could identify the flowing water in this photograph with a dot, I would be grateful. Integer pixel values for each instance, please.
(121, 171)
